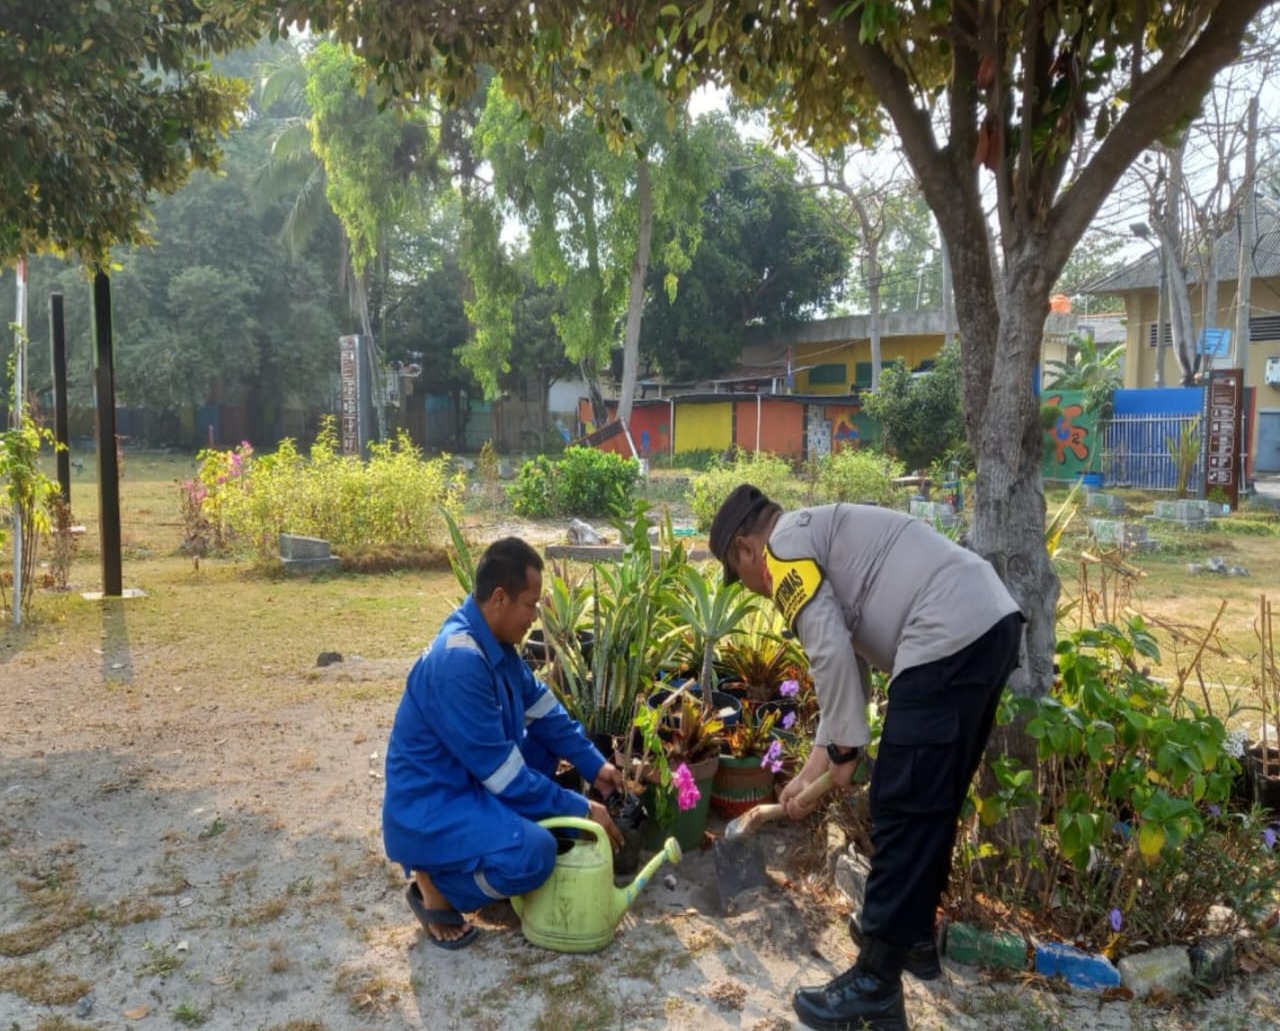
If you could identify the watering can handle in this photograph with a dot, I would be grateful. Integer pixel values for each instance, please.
(579, 824)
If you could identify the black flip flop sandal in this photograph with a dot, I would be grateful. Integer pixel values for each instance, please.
(446, 917)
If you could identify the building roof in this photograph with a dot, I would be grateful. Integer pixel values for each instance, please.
(1144, 274)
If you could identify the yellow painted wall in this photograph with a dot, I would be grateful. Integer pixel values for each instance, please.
(913, 349)
(702, 427)
(1140, 358)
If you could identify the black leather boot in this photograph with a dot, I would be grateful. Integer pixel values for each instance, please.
(922, 958)
(866, 997)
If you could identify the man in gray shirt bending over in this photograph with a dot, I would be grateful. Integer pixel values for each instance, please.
(863, 585)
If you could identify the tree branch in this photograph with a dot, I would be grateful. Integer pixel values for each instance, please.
(1169, 92)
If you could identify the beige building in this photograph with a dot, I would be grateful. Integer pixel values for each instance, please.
(1139, 285)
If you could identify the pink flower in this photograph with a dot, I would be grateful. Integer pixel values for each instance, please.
(788, 721)
(789, 688)
(689, 795)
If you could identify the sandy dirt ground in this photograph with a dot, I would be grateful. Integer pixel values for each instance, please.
(167, 860)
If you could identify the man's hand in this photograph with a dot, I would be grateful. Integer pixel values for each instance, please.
(817, 765)
(609, 780)
(601, 816)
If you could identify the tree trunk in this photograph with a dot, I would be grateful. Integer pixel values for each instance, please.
(948, 301)
(873, 323)
(1184, 344)
(599, 409)
(1009, 508)
(635, 301)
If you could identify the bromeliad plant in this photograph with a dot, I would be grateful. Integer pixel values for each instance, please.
(757, 655)
(753, 734)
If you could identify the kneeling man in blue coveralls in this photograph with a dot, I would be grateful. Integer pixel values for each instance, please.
(860, 586)
(475, 743)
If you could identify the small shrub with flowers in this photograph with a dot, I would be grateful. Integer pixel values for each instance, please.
(396, 499)
(676, 735)
(1137, 839)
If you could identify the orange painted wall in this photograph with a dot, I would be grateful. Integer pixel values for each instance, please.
(651, 429)
(781, 427)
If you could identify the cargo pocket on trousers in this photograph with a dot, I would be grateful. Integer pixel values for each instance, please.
(918, 765)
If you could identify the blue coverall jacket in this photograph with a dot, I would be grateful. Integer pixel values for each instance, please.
(474, 740)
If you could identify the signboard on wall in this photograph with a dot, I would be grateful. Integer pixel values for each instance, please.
(1222, 438)
(350, 395)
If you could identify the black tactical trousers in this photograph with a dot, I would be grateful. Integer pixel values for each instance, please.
(936, 725)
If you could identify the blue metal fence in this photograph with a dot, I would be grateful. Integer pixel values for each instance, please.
(1142, 451)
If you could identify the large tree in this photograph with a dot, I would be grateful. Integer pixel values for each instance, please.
(593, 189)
(100, 105)
(974, 90)
(768, 256)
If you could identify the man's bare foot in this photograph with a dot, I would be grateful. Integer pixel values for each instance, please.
(433, 899)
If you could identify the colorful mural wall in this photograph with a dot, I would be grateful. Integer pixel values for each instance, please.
(1072, 445)
(793, 427)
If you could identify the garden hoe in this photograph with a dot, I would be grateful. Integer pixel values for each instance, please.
(738, 857)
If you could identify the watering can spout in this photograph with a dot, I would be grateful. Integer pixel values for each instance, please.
(626, 897)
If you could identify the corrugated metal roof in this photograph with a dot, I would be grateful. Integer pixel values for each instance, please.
(1144, 274)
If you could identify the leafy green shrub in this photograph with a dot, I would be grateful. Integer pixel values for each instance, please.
(767, 471)
(532, 495)
(859, 475)
(1247, 527)
(396, 498)
(1136, 841)
(584, 482)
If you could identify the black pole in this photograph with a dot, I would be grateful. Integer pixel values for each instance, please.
(58, 346)
(108, 470)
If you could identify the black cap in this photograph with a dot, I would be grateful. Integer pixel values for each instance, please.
(739, 508)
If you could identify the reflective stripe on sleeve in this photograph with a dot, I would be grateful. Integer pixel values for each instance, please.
(540, 708)
(500, 779)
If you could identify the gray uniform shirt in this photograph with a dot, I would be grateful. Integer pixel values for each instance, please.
(893, 592)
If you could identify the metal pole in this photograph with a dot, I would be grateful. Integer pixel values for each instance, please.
(19, 397)
(108, 470)
(1244, 281)
(58, 356)
(1160, 304)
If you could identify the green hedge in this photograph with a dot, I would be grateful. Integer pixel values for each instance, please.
(585, 482)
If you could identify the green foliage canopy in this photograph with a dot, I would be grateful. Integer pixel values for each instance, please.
(921, 413)
(767, 256)
(103, 102)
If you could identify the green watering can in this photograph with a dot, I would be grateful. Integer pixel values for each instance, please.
(577, 908)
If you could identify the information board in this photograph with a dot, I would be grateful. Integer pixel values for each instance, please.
(349, 399)
(1222, 438)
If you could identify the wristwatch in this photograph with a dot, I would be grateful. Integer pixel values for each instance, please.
(839, 758)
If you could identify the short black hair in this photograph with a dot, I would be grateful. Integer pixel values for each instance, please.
(506, 564)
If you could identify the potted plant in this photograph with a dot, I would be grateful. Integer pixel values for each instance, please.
(750, 758)
(628, 612)
(757, 656)
(709, 609)
(677, 766)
